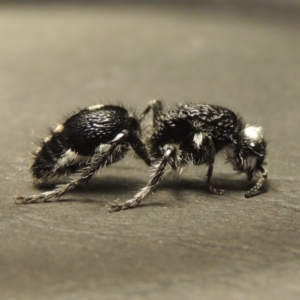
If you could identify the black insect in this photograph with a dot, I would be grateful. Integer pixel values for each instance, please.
(102, 134)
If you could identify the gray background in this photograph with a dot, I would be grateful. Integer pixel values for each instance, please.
(182, 242)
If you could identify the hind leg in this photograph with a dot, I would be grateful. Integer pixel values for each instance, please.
(115, 152)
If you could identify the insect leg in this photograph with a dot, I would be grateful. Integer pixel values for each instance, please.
(151, 185)
(139, 148)
(209, 185)
(259, 183)
(114, 153)
(212, 153)
(156, 106)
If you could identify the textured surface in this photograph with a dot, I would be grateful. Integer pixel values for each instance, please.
(183, 242)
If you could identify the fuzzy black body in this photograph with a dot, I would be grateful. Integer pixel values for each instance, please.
(72, 144)
(85, 131)
(101, 135)
(181, 124)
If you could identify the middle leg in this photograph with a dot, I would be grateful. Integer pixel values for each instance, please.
(210, 163)
(151, 185)
(208, 182)
(157, 108)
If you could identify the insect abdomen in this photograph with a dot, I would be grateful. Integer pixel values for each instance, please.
(71, 143)
(47, 157)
